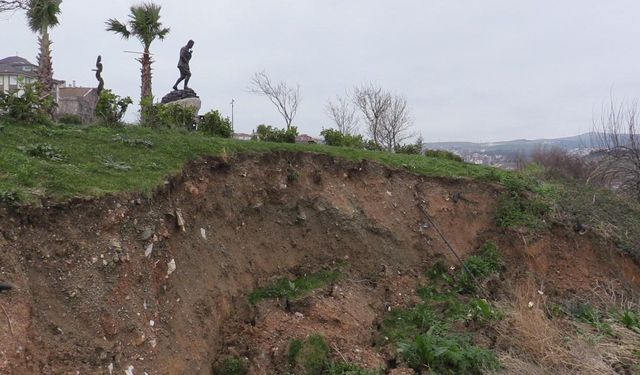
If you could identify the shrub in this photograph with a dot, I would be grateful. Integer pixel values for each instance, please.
(630, 319)
(29, 108)
(310, 357)
(168, 116)
(268, 133)
(480, 266)
(344, 368)
(111, 108)
(447, 355)
(70, 119)
(44, 151)
(334, 137)
(370, 145)
(294, 288)
(411, 149)
(443, 154)
(231, 366)
(9, 197)
(558, 164)
(214, 124)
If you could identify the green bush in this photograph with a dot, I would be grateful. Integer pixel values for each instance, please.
(411, 149)
(268, 133)
(294, 288)
(231, 366)
(370, 145)
(44, 151)
(70, 119)
(478, 267)
(344, 368)
(214, 124)
(630, 319)
(443, 154)
(333, 137)
(9, 197)
(309, 357)
(168, 116)
(111, 108)
(453, 354)
(31, 107)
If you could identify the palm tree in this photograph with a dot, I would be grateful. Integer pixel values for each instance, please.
(144, 24)
(41, 16)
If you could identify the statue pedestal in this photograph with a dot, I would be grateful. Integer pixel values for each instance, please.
(183, 98)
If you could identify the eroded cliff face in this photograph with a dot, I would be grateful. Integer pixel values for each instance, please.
(160, 283)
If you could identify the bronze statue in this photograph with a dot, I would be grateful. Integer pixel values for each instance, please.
(98, 71)
(183, 65)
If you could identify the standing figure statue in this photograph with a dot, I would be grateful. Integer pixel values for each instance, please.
(98, 71)
(183, 65)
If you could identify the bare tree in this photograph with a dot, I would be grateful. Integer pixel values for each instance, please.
(396, 124)
(13, 5)
(343, 114)
(285, 98)
(374, 103)
(616, 135)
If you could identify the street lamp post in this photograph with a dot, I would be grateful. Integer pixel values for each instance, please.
(233, 102)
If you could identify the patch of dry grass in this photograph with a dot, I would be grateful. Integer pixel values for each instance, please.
(532, 343)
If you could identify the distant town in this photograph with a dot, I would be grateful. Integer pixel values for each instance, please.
(507, 154)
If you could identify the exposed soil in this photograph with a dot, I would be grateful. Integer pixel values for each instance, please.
(88, 300)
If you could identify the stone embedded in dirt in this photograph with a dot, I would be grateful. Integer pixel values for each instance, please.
(148, 250)
(203, 233)
(147, 232)
(171, 267)
(129, 370)
(115, 244)
(180, 220)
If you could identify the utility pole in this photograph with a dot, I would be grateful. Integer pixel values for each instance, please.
(233, 102)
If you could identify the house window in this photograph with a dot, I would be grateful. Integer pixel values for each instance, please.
(13, 83)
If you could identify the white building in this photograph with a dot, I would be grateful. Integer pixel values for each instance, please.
(16, 71)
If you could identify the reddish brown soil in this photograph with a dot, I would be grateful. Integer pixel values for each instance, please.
(86, 294)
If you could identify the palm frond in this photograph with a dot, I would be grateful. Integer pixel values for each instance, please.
(145, 23)
(43, 14)
(118, 27)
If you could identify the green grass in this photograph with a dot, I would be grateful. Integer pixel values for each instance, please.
(312, 357)
(294, 288)
(231, 366)
(88, 156)
(425, 335)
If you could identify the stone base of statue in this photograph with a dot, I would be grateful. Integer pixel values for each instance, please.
(184, 98)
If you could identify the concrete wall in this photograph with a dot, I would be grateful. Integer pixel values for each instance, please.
(83, 106)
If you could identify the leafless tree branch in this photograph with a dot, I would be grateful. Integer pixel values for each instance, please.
(616, 134)
(373, 102)
(283, 97)
(396, 124)
(12, 5)
(343, 114)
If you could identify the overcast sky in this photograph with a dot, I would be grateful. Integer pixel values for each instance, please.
(472, 70)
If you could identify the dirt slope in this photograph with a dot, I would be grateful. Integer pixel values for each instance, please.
(89, 300)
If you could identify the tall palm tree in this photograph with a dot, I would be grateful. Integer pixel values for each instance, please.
(41, 16)
(143, 24)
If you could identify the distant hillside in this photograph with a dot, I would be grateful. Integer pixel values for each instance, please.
(579, 142)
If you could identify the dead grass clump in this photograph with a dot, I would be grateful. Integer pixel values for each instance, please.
(531, 343)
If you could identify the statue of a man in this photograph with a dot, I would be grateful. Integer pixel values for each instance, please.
(183, 65)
